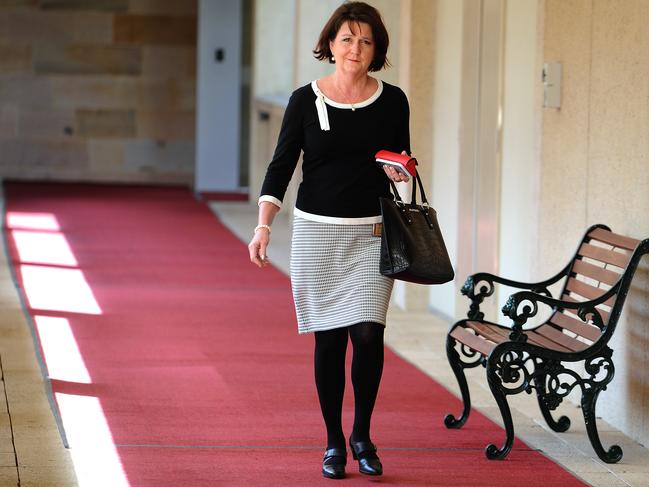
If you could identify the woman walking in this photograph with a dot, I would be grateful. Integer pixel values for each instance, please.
(339, 122)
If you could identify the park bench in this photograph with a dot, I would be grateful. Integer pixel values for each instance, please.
(567, 350)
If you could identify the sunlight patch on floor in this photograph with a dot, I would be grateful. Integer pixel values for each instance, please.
(93, 452)
(62, 355)
(54, 284)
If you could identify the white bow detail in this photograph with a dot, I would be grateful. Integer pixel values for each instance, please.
(321, 106)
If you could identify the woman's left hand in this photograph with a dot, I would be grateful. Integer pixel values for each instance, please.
(395, 175)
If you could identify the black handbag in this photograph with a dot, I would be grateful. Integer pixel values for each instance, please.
(412, 246)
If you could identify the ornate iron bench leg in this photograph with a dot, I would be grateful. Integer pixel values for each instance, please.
(544, 397)
(588, 403)
(492, 451)
(458, 369)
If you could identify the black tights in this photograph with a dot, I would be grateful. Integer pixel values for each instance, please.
(367, 367)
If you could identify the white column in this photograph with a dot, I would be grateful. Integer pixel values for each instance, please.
(446, 145)
(520, 195)
(218, 95)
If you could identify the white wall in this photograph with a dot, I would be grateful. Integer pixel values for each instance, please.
(520, 164)
(311, 17)
(486, 192)
(274, 46)
(218, 96)
(481, 104)
(595, 153)
(446, 147)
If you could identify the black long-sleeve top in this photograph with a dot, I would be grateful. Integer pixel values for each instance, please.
(340, 175)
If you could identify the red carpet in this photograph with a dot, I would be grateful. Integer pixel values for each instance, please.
(197, 365)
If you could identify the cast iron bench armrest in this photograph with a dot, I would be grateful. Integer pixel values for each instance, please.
(483, 283)
(523, 305)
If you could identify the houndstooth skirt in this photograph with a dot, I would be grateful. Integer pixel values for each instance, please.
(335, 276)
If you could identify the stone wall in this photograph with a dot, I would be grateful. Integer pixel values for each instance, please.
(97, 90)
(595, 153)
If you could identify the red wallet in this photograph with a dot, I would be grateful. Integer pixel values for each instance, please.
(401, 162)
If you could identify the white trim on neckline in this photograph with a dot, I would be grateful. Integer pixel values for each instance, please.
(321, 102)
(349, 106)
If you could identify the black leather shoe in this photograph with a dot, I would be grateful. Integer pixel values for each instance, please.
(368, 460)
(333, 464)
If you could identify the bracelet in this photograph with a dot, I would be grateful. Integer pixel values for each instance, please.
(267, 227)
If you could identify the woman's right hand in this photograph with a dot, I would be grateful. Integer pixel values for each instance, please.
(395, 175)
(257, 247)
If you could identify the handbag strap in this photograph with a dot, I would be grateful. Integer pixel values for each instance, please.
(424, 207)
(416, 181)
(395, 192)
(424, 201)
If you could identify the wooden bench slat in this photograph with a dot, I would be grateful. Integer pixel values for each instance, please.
(604, 314)
(464, 336)
(545, 342)
(578, 327)
(604, 255)
(588, 291)
(493, 333)
(499, 335)
(600, 274)
(558, 336)
(614, 239)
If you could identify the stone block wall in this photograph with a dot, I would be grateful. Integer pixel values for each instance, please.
(98, 90)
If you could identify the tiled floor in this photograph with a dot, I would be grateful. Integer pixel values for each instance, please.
(31, 451)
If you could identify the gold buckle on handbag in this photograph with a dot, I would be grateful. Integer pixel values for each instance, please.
(376, 229)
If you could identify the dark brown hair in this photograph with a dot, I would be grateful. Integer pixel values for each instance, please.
(355, 12)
